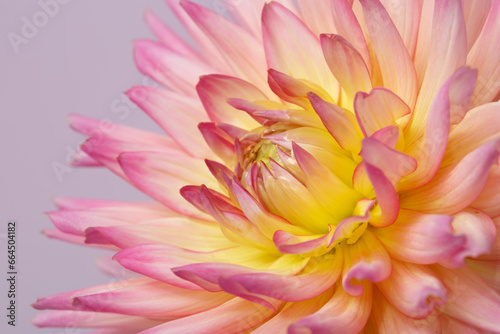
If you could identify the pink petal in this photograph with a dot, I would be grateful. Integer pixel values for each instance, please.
(168, 37)
(161, 177)
(347, 26)
(291, 313)
(347, 227)
(475, 15)
(74, 239)
(320, 275)
(183, 232)
(340, 124)
(214, 90)
(347, 65)
(470, 299)
(210, 52)
(396, 65)
(395, 164)
(420, 238)
(457, 187)
(240, 49)
(406, 18)
(343, 314)
(387, 319)
(72, 319)
(176, 114)
(494, 254)
(172, 70)
(416, 302)
(289, 243)
(150, 299)
(429, 150)
(282, 30)
(483, 56)
(479, 126)
(227, 318)
(447, 54)
(82, 159)
(480, 233)
(387, 210)
(219, 142)
(294, 90)
(76, 221)
(366, 259)
(379, 109)
(317, 16)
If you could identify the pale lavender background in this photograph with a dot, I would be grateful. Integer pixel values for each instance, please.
(80, 61)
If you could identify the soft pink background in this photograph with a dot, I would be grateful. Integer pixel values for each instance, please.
(80, 61)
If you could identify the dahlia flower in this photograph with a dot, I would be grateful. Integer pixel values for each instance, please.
(330, 167)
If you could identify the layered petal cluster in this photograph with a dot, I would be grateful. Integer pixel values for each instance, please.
(331, 167)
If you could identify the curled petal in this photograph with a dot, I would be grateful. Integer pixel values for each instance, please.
(480, 233)
(387, 210)
(420, 238)
(365, 259)
(387, 319)
(417, 302)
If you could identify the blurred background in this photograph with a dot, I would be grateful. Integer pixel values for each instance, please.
(75, 57)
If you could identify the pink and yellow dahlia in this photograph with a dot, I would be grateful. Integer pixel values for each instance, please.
(328, 169)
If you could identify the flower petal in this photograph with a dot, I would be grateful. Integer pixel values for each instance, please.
(456, 187)
(396, 65)
(367, 260)
(379, 109)
(347, 65)
(343, 313)
(416, 302)
(282, 31)
(420, 238)
(480, 233)
(161, 177)
(470, 299)
(483, 56)
(234, 316)
(176, 114)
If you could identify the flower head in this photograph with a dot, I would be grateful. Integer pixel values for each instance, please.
(328, 169)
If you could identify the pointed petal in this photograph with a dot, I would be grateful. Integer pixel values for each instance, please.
(214, 90)
(282, 30)
(176, 114)
(396, 65)
(447, 54)
(347, 65)
(341, 124)
(161, 177)
(379, 109)
(483, 56)
(240, 49)
(168, 68)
